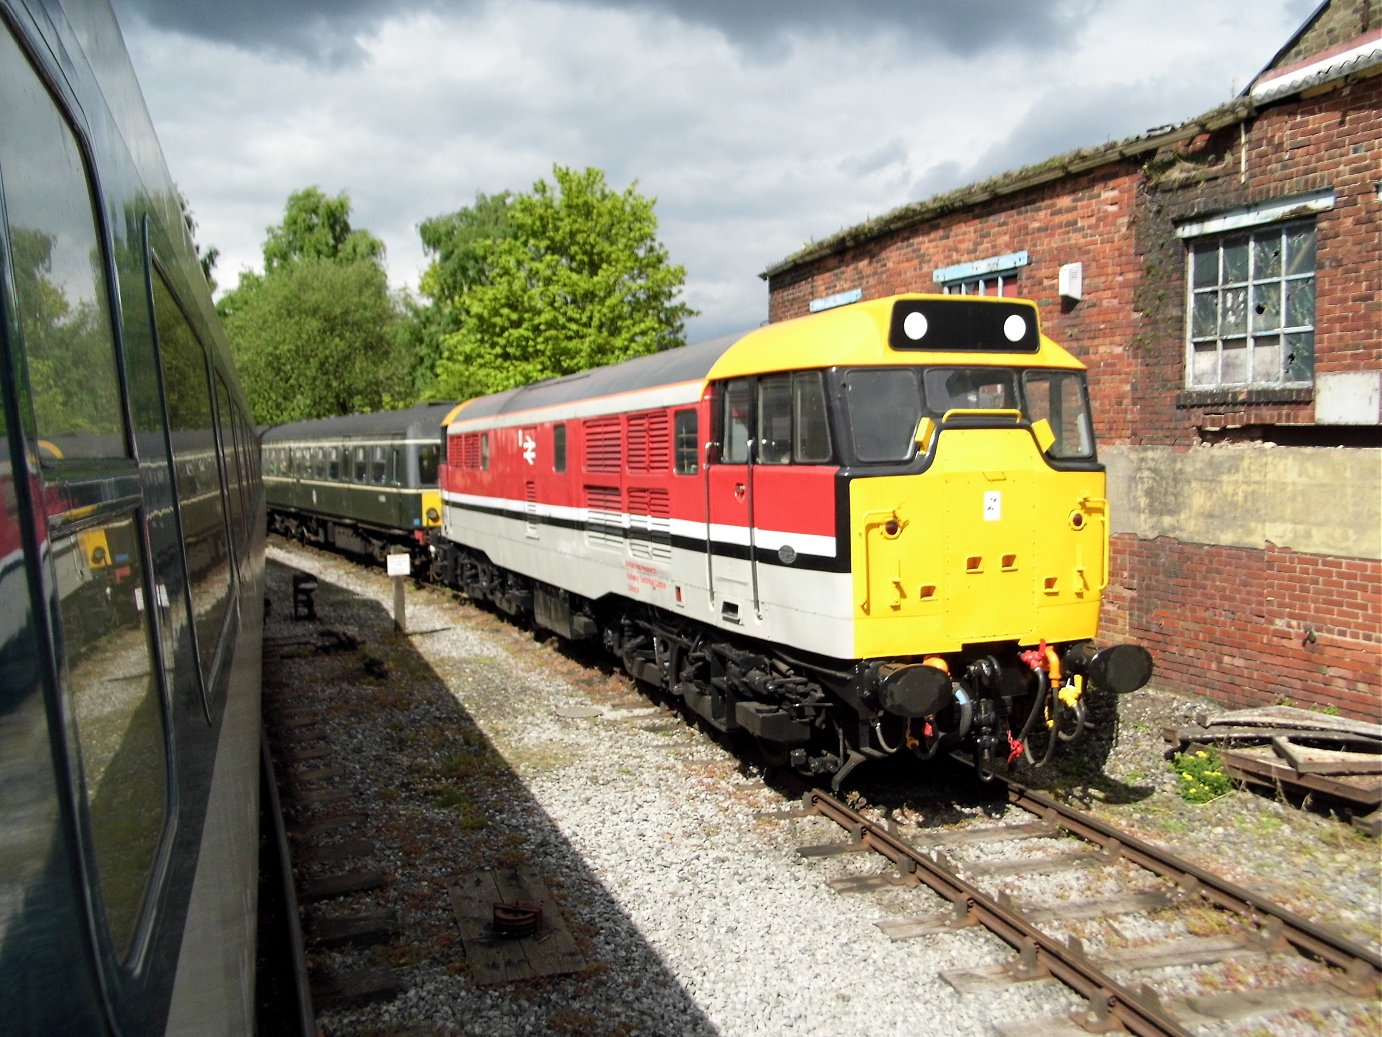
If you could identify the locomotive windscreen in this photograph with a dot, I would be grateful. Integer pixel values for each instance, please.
(965, 325)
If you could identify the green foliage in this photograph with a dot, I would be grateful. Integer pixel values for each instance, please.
(454, 242)
(317, 338)
(1201, 775)
(318, 333)
(573, 279)
(317, 227)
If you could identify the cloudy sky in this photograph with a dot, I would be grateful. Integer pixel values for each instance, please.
(757, 126)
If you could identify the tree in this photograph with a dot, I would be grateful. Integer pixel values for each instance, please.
(317, 338)
(317, 227)
(207, 257)
(453, 241)
(317, 334)
(580, 280)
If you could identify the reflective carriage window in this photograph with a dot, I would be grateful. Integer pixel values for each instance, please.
(58, 268)
(359, 466)
(884, 405)
(224, 411)
(117, 710)
(378, 465)
(1060, 398)
(333, 466)
(200, 503)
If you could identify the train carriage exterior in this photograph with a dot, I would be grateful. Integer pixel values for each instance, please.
(874, 529)
(131, 568)
(363, 483)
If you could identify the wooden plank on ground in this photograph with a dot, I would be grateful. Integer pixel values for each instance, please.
(1261, 765)
(494, 960)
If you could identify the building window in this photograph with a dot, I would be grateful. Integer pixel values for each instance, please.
(1252, 307)
(996, 275)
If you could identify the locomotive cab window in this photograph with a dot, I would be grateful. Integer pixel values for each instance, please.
(969, 388)
(884, 405)
(735, 406)
(1061, 397)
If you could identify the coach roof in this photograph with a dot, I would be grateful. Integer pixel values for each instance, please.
(425, 418)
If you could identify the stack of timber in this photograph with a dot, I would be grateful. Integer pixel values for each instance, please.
(1295, 750)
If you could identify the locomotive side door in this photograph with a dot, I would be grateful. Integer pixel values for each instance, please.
(729, 504)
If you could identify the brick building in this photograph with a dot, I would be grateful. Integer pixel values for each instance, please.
(1223, 281)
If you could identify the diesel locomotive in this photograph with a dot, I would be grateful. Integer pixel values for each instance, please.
(878, 529)
(131, 568)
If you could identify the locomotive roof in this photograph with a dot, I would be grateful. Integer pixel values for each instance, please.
(670, 367)
(963, 329)
(423, 417)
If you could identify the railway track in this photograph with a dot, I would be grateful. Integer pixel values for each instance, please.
(1328, 974)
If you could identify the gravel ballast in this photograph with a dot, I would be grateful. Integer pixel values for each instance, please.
(471, 745)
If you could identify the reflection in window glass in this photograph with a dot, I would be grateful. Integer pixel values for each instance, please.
(1060, 398)
(57, 265)
(685, 436)
(194, 462)
(970, 388)
(734, 433)
(117, 710)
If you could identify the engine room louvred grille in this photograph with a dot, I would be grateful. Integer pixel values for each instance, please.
(603, 516)
(463, 451)
(650, 447)
(650, 523)
(603, 445)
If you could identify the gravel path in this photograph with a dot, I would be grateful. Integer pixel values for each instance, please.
(481, 748)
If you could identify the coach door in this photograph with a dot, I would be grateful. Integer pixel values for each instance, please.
(729, 506)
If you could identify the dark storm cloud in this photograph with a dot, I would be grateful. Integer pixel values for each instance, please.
(327, 30)
(964, 28)
(318, 30)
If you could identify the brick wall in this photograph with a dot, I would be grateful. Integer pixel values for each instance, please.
(1249, 627)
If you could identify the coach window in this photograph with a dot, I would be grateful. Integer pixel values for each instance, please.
(55, 258)
(359, 468)
(333, 466)
(200, 503)
(63, 340)
(559, 447)
(378, 466)
(428, 458)
(685, 436)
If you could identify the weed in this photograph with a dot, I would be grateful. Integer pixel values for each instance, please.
(1202, 777)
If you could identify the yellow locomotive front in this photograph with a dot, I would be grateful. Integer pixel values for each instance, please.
(971, 508)
(978, 569)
